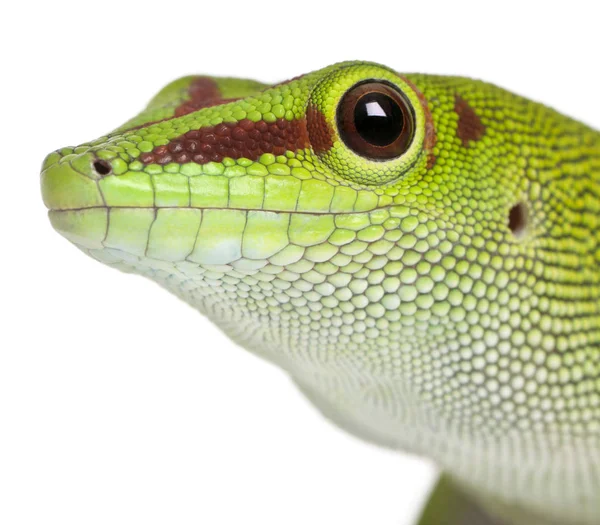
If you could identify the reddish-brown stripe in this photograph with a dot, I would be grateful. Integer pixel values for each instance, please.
(470, 128)
(203, 93)
(245, 139)
(319, 131)
(430, 134)
(431, 160)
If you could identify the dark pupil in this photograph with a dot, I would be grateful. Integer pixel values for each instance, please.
(378, 119)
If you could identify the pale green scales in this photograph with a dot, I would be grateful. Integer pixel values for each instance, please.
(439, 295)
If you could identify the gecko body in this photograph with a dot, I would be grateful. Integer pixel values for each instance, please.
(420, 253)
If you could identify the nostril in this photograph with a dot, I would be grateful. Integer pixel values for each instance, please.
(102, 167)
(517, 219)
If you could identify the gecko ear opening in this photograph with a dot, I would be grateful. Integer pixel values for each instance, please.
(518, 217)
(102, 167)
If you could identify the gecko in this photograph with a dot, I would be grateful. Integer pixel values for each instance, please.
(420, 253)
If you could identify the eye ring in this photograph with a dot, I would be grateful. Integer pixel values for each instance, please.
(376, 121)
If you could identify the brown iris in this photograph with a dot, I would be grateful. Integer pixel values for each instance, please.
(375, 121)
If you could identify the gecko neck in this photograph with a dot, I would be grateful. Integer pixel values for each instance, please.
(517, 473)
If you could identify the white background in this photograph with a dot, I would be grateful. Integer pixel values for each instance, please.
(118, 403)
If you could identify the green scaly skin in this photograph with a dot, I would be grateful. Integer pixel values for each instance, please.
(395, 293)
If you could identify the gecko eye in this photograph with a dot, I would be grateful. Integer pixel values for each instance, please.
(375, 121)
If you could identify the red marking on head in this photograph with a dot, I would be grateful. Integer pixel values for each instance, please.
(430, 133)
(470, 128)
(431, 160)
(243, 139)
(319, 131)
(203, 93)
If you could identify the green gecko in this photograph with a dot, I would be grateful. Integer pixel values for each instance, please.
(420, 253)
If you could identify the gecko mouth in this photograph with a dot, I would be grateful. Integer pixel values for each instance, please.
(204, 218)
(125, 214)
(249, 238)
(83, 181)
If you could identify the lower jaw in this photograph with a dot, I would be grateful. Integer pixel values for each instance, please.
(202, 236)
(86, 228)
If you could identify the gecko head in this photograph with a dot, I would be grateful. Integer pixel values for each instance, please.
(352, 215)
(222, 171)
